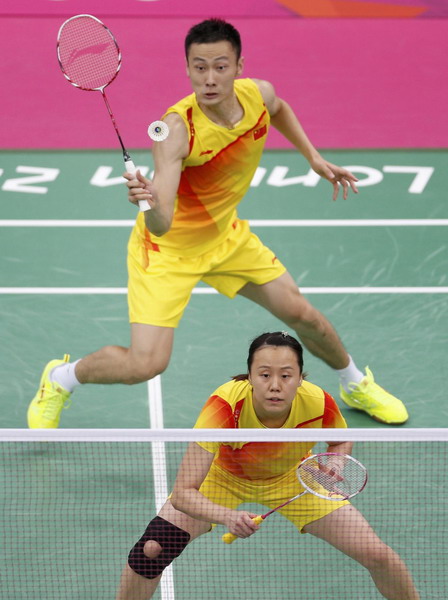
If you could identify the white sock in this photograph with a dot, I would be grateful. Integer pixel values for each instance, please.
(65, 376)
(351, 374)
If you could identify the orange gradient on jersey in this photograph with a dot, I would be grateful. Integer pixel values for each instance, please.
(208, 194)
(264, 460)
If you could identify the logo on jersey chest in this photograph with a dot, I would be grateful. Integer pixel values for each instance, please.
(260, 132)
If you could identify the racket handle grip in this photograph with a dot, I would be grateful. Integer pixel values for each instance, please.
(143, 206)
(229, 538)
(130, 168)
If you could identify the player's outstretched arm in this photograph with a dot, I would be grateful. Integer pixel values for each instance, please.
(285, 121)
(187, 498)
(160, 193)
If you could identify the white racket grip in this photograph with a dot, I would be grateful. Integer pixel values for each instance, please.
(130, 168)
(143, 206)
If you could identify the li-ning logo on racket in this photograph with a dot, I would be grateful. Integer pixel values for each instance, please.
(95, 49)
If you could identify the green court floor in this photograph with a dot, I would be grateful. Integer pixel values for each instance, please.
(375, 264)
(74, 510)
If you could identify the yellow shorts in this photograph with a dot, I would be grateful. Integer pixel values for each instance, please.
(160, 289)
(224, 488)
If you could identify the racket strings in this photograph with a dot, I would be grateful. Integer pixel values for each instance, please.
(88, 53)
(319, 476)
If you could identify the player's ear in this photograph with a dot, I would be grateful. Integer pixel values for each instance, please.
(240, 66)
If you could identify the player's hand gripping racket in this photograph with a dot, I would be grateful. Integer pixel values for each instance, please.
(328, 475)
(90, 59)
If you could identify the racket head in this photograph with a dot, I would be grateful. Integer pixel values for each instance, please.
(88, 53)
(332, 476)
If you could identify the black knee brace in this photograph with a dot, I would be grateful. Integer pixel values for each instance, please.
(172, 539)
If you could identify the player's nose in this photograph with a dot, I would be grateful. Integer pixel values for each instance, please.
(275, 383)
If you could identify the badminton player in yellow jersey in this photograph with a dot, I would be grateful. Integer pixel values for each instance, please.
(192, 233)
(215, 478)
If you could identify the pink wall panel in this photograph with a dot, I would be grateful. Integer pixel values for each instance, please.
(354, 83)
(229, 8)
(145, 8)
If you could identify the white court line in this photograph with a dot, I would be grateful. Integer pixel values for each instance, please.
(159, 470)
(439, 289)
(348, 222)
(252, 223)
(156, 422)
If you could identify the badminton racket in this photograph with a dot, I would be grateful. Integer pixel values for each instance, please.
(328, 475)
(90, 59)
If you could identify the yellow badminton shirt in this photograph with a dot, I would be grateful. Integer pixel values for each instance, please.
(231, 407)
(215, 175)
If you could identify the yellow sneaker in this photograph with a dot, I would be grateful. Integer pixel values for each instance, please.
(375, 401)
(45, 408)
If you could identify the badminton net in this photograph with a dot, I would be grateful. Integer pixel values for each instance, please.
(74, 502)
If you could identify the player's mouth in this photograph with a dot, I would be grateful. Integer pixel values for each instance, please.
(274, 400)
(210, 95)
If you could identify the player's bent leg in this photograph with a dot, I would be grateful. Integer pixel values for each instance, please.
(347, 530)
(160, 544)
(164, 539)
(135, 587)
(147, 356)
(284, 300)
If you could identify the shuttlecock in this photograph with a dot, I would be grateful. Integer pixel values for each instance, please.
(158, 131)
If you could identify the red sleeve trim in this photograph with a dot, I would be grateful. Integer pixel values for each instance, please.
(192, 131)
(331, 412)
